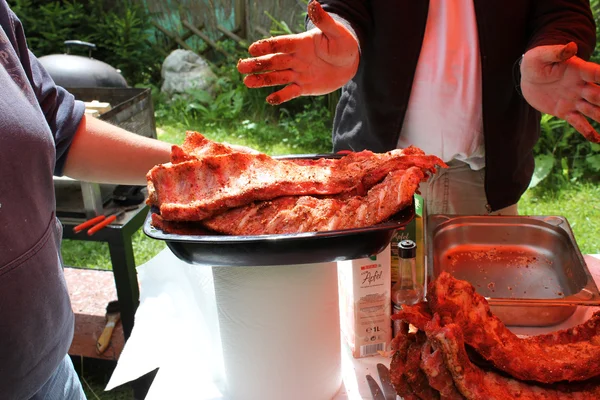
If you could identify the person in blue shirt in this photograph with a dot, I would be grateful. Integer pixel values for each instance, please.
(43, 132)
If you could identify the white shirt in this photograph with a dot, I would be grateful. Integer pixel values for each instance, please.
(444, 114)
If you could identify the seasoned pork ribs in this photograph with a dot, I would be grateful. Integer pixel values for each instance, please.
(476, 383)
(243, 193)
(291, 214)
(567, 355)
(467, 352)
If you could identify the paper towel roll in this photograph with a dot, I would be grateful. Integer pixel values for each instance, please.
(280, 331)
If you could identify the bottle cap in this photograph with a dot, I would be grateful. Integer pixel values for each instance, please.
(407, 249)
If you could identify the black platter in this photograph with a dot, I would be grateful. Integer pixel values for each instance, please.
(283, 249)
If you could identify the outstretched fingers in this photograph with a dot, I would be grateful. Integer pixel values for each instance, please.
(287, 93)
(590, 110)
(581, 124)
(270, 62)
(591, 93)
(267, 79)
(277, 44)
(589, 71)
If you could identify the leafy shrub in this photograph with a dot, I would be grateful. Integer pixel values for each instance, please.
(48, 24)
(121, 31)
(123, 40)
(562, 155)
(304, 123)
(311, 127)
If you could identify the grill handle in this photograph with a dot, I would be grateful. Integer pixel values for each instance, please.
(90, 46)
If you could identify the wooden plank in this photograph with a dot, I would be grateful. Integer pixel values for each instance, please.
(188, 34)
(158, 48)
(90, 292)
(233, 36)
(204, 37)
(171, 43)
(262, 31)
(240, 17)
(173, 36)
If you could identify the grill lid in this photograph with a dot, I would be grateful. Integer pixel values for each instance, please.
(68, 70)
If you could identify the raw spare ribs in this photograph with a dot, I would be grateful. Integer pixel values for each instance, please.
(467, 352)
(221, 188)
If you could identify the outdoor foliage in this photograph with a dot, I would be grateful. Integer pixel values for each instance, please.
(563, 155)
(120, 29)
(282, 28)
(304, 123)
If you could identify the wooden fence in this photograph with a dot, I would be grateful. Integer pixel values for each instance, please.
(200, 25)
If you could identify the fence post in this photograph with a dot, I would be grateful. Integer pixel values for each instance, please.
(240, 18)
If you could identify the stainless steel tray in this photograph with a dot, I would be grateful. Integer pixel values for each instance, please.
(529, 268)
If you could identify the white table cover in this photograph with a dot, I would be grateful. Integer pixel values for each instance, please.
(171, 334)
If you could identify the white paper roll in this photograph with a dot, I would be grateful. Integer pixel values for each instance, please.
(280, 331)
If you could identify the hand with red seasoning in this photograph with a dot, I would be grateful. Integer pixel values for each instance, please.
(557, 82)
(315, 62)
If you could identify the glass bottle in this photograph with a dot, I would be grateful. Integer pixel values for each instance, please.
(407, 289)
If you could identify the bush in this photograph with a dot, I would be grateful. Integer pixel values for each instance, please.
(304, 124)
(120, 29)
(562, 155)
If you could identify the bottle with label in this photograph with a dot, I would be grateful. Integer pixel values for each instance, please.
(412, 231)
(365, 303)
(407, 289)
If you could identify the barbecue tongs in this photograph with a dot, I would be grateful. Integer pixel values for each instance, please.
(101, 221)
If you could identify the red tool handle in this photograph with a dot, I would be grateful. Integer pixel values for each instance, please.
(101, 225)
(88, 223)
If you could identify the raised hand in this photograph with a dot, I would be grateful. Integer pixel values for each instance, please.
(555, 81)
(315, 62)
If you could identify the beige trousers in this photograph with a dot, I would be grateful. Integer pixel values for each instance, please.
(458, 190)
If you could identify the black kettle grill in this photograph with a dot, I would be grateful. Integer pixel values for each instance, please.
(73, 71)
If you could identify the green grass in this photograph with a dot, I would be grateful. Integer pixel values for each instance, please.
(95, 255)
(577, 203)
(94, 375)
(256, 136)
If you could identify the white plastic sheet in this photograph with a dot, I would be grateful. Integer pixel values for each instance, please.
(235, 332)
(176, 330)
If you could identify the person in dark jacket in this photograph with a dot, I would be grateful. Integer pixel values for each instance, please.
(465, 80)
(43, 131)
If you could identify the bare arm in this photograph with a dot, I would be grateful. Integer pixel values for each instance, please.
(102, 152)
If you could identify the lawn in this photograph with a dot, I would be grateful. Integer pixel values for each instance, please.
(577, 203)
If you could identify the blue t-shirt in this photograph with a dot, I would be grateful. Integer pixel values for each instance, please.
(37, 123)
